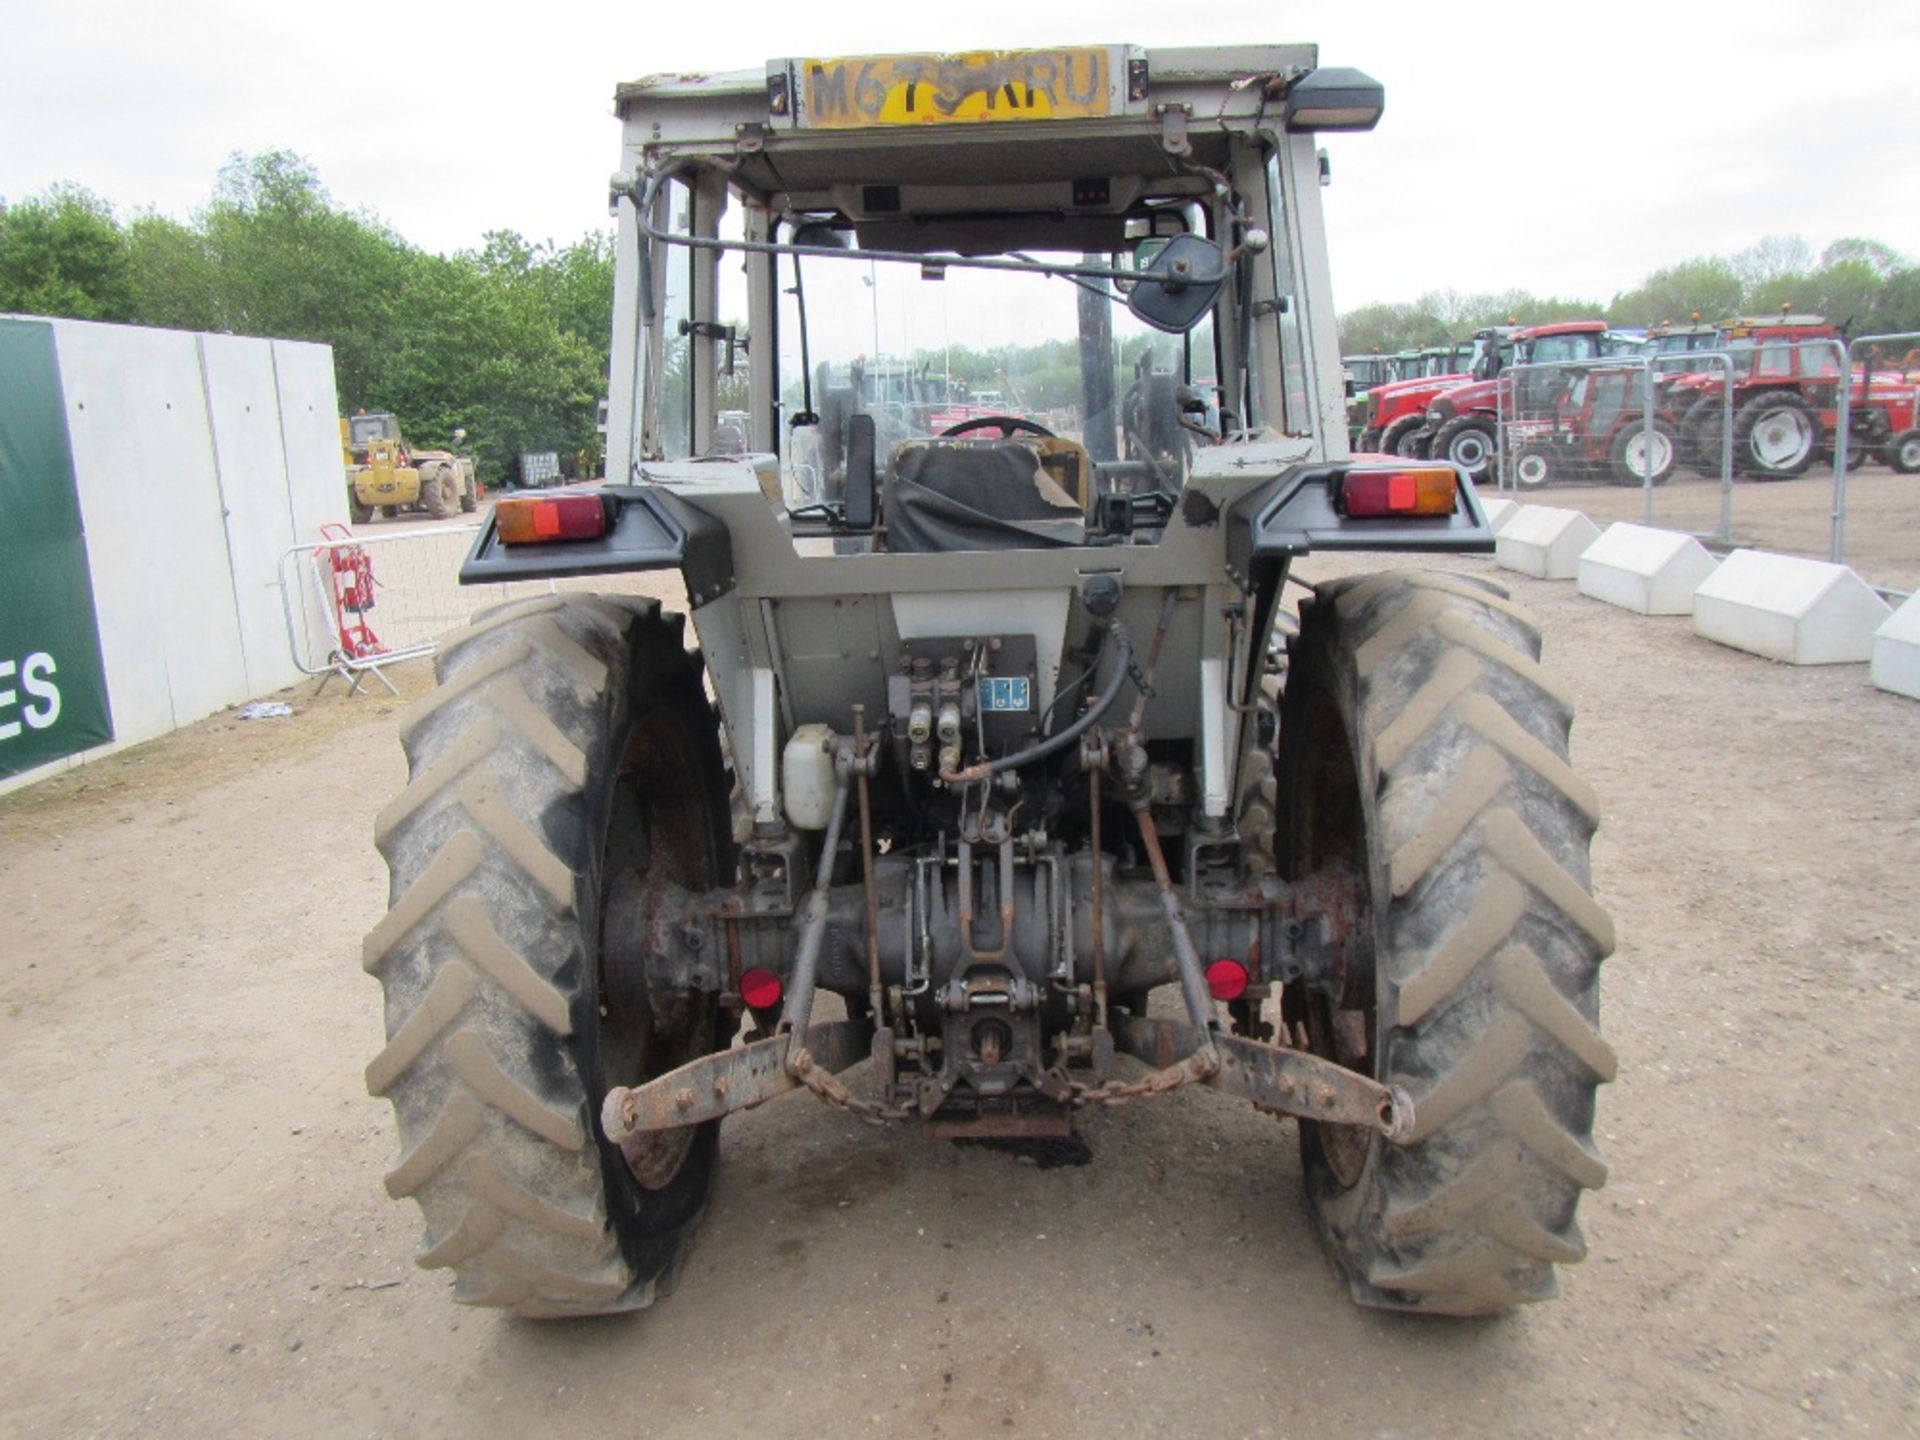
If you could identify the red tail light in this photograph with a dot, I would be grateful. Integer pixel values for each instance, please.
(1227, 979)
(559, 517)
(760, 988)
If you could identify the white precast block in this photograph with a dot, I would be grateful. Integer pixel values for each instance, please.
(1499, 510)
(1896, 651)
(1651, 572)
(1802, 612)
(1545, 542)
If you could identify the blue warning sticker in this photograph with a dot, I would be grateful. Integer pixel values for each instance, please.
(1005, 693)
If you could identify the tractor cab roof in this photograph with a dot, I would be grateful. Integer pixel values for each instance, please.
(1560, 327)
(1773, 326)
(1079, 134)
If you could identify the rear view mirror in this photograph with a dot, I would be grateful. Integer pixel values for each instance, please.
(1179, 284)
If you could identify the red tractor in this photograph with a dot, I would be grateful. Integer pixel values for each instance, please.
(1786, 403)
(1598, 431)
(1463, 421)
(1396, 413)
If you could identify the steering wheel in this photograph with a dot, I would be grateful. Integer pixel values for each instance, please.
(1007, 424)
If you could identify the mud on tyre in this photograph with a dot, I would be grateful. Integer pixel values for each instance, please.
(1423, 759)
(568, 752)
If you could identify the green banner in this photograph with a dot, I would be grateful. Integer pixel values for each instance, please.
(53, 687)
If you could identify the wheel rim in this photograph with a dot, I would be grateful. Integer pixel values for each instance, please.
(661, 839)
(1404, 448)
(1329, 839)
(1909, 453)
(1531, 471)
(1635, 454)
(1781, 438)
(1469, 450)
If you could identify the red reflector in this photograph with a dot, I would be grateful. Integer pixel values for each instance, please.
(1227, 979)
(1400, 492)
(760, 988)
(561, 517)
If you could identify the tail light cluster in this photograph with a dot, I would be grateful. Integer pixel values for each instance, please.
(1376, 494)
(528, 521)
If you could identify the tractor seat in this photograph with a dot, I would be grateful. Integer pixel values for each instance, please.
(962, 494)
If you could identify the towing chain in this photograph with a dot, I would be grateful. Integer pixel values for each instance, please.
(1192, 1070)
(829, 1089)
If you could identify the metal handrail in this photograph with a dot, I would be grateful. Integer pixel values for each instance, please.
(1842, 431)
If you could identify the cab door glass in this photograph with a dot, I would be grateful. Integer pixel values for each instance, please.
(1297, 419)
(676, 310)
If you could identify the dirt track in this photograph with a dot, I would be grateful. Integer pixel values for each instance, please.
(197, 1242)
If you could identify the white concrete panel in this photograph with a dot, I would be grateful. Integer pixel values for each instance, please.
(1783, 607)
(156, 543)
(1652, 572)
(1499, 510)
(243, 405)
(1544, 542)
(315, 474)
(1896, 651)
(310, 435)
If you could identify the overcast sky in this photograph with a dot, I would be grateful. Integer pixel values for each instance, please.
(1559, 148)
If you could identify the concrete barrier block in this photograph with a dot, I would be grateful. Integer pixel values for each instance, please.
(1651, 572)
(1499, 510)
(1802, 612)
(1544, 542)
(1896, 651)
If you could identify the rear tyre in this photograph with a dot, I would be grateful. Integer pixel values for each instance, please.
(1776, 436)
(1535, 467)
(1627, 461)
(568, 757)
(1396, 435)
(1423, 766)
(358, 513)
(1903, 452)
(1466, 441)
(1700, 431)
(440, 491)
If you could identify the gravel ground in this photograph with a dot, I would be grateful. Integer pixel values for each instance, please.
(197, 1239)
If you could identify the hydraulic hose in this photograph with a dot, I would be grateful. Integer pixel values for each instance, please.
(1118, 641)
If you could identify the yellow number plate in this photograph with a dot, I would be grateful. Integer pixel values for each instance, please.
(979, 86)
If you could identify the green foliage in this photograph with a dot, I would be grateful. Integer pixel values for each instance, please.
(1862, 285)
(1708, 287)
(63, 253)
(1440, 316)
(508, 342)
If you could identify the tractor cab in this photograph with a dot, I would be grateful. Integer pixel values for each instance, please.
(1667, 338)
(1027, 334)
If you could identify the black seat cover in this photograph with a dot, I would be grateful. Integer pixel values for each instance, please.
(948, 495)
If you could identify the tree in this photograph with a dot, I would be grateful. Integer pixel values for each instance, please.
(62, 253)
(1884, 260)
(292, 265)
(176, 280)
(1707, 287)
(1773, 258)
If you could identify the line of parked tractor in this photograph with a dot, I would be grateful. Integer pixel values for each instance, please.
(1471, 400)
